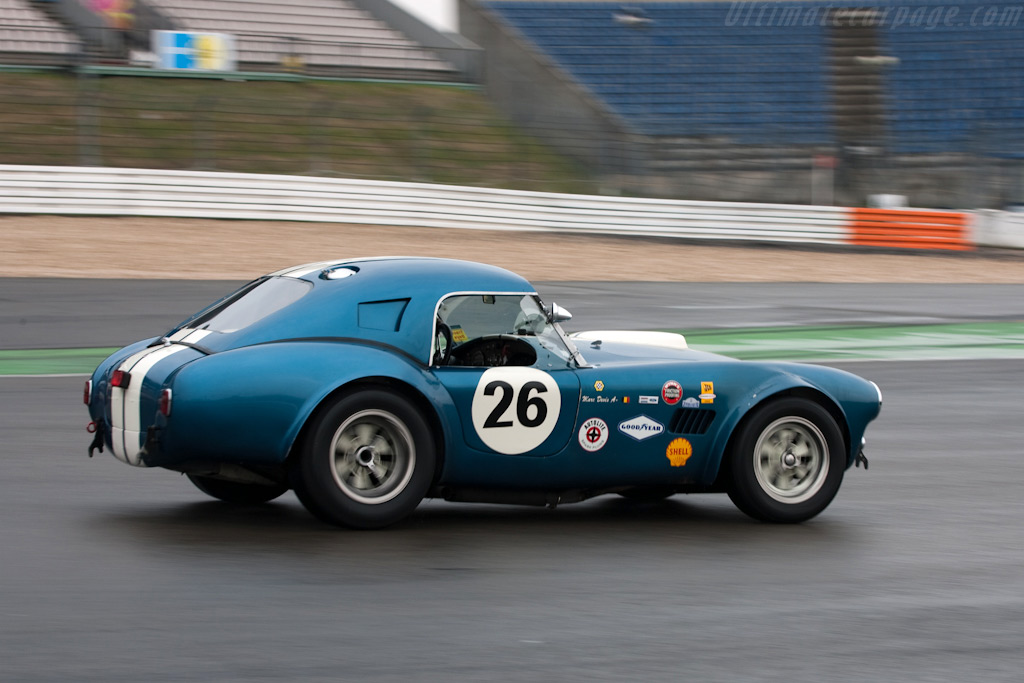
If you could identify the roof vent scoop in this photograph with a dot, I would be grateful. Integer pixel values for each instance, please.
(338, 272)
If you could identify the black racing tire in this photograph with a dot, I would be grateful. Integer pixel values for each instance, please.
(367, 462)
(786, 462)
(235, 492)
(648, 494)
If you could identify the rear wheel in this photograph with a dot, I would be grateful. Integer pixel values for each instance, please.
(368, 461)
(786, 462)
(237, 492)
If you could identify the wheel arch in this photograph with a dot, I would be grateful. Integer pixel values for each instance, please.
(406, 390)
(805, 392)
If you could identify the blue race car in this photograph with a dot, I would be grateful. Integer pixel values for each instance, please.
(368, 384)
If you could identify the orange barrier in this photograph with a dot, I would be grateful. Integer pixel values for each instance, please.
(909, 229)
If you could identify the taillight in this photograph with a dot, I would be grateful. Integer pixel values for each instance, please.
(120, 378)
(165, 403)
(87, 394)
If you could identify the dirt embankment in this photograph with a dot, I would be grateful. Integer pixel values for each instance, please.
(59, 246)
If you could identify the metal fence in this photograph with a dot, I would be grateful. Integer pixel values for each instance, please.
(452, 135)
(263, 52)
(966, 152)
(779, 101)
(360, 130)
(259, 52)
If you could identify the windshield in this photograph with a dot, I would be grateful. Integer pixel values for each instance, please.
(471, 317)
(248, 305)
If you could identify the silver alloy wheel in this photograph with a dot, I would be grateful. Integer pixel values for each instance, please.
(373, 456)
(791, 459)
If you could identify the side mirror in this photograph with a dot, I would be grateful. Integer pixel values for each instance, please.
(557, 314)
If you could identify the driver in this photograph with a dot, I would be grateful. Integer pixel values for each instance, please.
(442, 342)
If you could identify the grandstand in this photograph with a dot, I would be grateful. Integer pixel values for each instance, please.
(686, 71)
(347, 38)
(734, 100)
(958, 87)
(321, 35)
(30, 36)
(745, 101)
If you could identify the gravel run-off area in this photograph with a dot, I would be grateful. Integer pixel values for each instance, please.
(156, 248)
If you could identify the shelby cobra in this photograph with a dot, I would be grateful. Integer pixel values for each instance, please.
(366, 385)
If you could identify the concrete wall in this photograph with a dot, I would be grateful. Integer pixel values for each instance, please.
(458, 51)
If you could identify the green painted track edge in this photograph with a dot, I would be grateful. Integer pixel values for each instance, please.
(51, 361)
(976, 340)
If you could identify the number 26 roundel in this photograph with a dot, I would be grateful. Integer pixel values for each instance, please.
(515, 409)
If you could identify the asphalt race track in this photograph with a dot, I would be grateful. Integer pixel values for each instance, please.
(81, 313)
(915, 572)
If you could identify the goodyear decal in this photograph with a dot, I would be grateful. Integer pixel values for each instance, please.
(641, 427)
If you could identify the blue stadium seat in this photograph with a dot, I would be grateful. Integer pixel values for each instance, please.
(696, 67)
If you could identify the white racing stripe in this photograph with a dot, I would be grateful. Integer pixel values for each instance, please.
(134, 437)
(126, 433)
(117, 396)
(196, 336)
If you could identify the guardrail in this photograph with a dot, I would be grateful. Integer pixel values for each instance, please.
(913, 229)
(999, 229)
(193, 194)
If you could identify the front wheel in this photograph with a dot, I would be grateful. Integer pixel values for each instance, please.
(236, 492)
(368, 461)
(786, 462)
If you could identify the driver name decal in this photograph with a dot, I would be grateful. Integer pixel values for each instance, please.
(515, 408)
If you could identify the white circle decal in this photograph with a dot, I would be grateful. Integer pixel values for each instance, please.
(593, 435)
(515, 408)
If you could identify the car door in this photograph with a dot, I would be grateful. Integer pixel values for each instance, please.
(515, 392)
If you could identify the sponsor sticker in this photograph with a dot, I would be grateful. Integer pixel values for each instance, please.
(649, 400)
(690, 402)
(641, 427)
(598, 385)
(672, 392)
(707, 392)
(678, 452)
(459, 335)
(593, 434)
